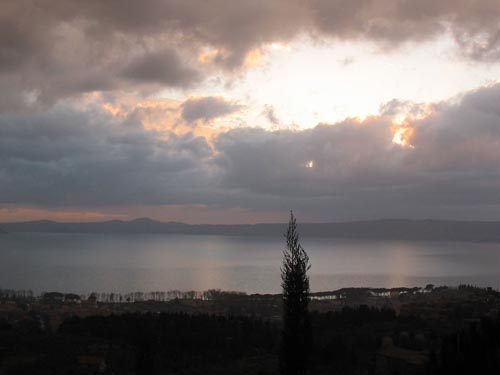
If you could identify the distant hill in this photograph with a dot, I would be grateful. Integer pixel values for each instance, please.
(393, 229)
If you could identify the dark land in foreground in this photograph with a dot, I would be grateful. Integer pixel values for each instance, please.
(391, 229)
(356, 331)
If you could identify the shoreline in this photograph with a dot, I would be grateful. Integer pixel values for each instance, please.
(215, 294)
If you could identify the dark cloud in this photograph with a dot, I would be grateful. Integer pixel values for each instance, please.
(270, 114)
(397, 107)
(60, 48)
(207, 108)
(161, 68)
(87, 158)
(391, 22)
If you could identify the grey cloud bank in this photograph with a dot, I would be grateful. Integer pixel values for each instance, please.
(83, 157)
(69, 157)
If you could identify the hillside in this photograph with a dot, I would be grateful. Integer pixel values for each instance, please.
(430, 230)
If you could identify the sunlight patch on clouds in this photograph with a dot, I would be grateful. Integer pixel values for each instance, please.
(279, 46)
(402, 136)
(202, 115)
(113, 109)
(153, 114)
(254, 58)
(159, 115)
(208, 56)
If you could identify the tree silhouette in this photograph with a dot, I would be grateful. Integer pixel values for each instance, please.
(296, 336)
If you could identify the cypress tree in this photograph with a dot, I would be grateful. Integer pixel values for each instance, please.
(296, 336)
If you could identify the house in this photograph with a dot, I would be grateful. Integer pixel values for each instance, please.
(324, 297)
(71, 298)
(380, 292)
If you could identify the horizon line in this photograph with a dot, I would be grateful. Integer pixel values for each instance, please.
(353, 221)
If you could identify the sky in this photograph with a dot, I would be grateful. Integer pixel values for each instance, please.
(212, 111)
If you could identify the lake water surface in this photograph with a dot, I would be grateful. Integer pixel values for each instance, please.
(83, 263)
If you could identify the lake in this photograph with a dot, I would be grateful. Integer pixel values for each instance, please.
(83, 263)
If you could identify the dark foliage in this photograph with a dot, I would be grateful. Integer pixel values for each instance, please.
(475, 349)
(348, 341)
(181, 343)
(297, 335)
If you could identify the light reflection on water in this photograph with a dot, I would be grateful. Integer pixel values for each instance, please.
(92, 262)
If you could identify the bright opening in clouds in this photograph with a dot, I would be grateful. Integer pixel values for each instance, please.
(311, 82)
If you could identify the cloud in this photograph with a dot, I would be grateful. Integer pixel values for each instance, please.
(207, 108)
(161, 68)
(62, 48)
(80, 156)
(270, 114)
(449, 168)
(74, 157)
(474, 25)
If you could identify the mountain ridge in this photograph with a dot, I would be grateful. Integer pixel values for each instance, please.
(384, 229)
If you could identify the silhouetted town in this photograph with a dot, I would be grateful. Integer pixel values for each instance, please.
(428, 330)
